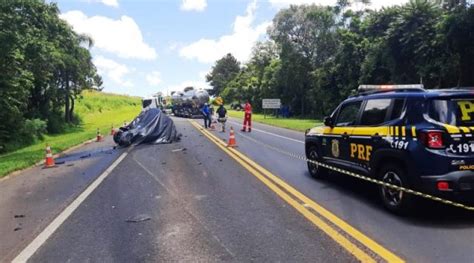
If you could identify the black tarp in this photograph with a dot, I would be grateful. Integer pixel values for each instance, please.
(151, 126)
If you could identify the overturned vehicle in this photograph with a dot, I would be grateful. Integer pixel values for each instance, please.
(151, 126)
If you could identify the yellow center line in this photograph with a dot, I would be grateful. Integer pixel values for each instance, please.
(330, 231)
(354, 233)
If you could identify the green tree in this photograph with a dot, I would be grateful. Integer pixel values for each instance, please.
(222, 73)
(318, 55)
(44, 65)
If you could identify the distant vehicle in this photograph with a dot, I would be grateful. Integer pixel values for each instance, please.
(189, 103)
(154, 102)
(403, 135)
(237, 106)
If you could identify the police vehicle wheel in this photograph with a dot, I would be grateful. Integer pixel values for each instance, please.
(315, 170)
(394, 200)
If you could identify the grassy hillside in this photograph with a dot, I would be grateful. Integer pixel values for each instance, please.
(289, 123)
(96, 110)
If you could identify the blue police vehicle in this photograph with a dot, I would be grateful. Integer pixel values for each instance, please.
(403, 135)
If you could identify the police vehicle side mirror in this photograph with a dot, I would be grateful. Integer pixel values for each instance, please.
(328, 121)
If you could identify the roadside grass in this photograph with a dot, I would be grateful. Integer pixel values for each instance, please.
(96, 110)
(288, 123)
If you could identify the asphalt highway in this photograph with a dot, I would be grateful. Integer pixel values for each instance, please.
(185, 202)
(198, 201)
(433, 233)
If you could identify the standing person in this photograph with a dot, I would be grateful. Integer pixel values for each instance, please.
(247, 117)
(212, 116)
(207, 115)
(222, 116)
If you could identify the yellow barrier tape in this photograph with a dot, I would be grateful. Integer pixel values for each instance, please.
(362, 177)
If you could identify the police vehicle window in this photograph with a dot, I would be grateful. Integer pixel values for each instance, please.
(397, 109)
(458, 112)
(375, 111)
(348, 114)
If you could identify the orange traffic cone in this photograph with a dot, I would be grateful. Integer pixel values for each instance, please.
(49, 160)
(112, 131)
(232, 142)
(99, 136)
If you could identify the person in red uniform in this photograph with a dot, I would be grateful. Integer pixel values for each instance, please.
(247, 117)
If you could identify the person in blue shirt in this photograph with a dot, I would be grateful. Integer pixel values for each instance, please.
(207, 115)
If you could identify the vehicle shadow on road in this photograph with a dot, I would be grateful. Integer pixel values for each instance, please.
(427, 213)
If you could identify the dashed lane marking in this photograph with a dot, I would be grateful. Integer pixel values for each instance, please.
(271, 133)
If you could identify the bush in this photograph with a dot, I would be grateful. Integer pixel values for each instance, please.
(29, 132)
(76, 119)
(56, 123)
(32, 131)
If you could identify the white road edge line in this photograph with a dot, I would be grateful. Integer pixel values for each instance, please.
(269, 133)
(30, 250)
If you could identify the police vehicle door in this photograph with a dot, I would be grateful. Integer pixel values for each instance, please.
(336, 139)
(373, 131)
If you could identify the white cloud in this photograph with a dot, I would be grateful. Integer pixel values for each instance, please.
(193, 5)
(283, 3)
(375, 4)
(121, 37)
(113, 70)
(113, 3)
(239, 43)
(153, 78)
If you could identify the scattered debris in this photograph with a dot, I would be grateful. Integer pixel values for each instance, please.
(17, 228)
(19, 216)
(163, 163)
(138, 219)
(179, 150)
(113, 207)
(199, 163)
(220, 160)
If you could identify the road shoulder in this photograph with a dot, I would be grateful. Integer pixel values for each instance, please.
(33, 197)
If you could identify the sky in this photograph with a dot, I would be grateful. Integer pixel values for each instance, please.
(146, 46)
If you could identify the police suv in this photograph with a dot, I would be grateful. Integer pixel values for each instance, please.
(403, 135)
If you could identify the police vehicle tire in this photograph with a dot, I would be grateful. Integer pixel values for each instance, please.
(315, 170)
(395, 201)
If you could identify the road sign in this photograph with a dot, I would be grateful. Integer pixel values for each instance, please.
(271, 103)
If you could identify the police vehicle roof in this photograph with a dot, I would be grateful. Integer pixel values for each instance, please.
(429, 93)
